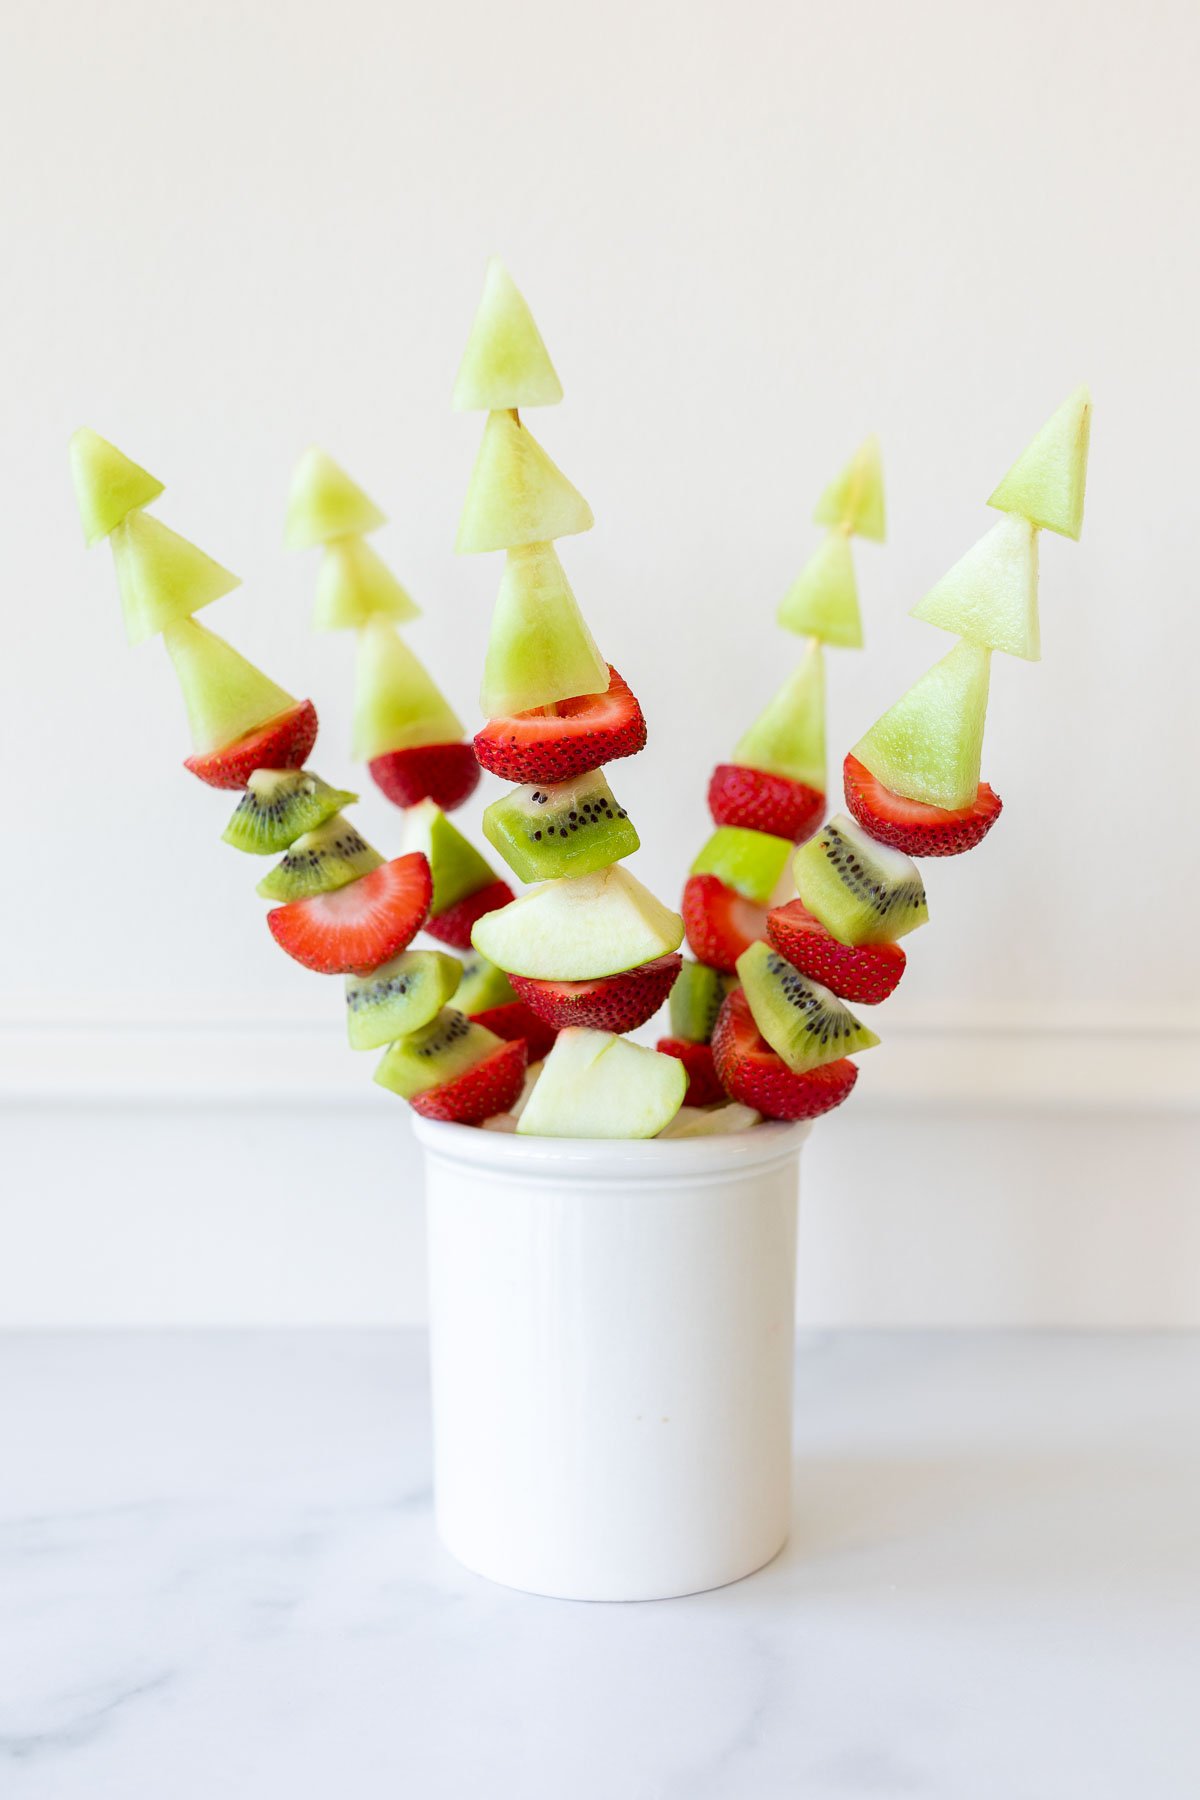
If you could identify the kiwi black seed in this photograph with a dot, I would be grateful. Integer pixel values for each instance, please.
(556, 829)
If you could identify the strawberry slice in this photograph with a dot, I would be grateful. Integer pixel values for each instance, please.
(868, 972)
(704, 1084)
(577, 736)
(751, 1072)
(761, 802)
(719, 923)
(453, 926)
(447, 774)
(912, 826)
(282, 743)
(489, 1086)
(515, 1020)
(609, 1003)
(355, 928)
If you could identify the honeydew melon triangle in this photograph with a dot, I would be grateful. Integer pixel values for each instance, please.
(822, 602)
(539, 647)
(516, 494)
(324, 504)
(354, 585)
(397, 704)
(505, 363)
(161, 576)
(853, 502)
(579, 929)
(455, 864)
(225, 695)
(928, 746)
(1047, 483)
(990, 596)
(788, 738)
(108, 484)
(596, 1085)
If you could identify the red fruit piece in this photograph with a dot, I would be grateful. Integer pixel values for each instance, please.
(761, 802)
(453, 926)
(751, 1072)
(488, 1087)
(719, 923)
(355, 928)
(282, 743)
(610, 1003)
(912, 826)
(704, 1084)
(516, 1020)
(868, 973)
(447, 774)
(580, 735)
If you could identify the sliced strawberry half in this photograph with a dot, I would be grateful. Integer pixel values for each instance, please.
(704, 1084)
(579, 735)
(761, 802)
(516, 1020)
(282, 743)
(910, 825)
(868, 972)
(610, 1003)
(489, 1086)
(453, 926)
(355, 928)
(719, 923)
(751, 1072)
(447, 774)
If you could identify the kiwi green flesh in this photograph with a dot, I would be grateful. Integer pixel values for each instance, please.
(399, 997)
(321, 861)
(862, 893)
(445, 1048)
(801, 1020)
(483, 985)
(547, 830)
(280, 805)
(696, 1000)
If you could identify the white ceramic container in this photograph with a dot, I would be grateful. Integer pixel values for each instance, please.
(612, 1342)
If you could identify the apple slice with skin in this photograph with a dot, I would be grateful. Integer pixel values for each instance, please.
(596, 1085)
(579, 929)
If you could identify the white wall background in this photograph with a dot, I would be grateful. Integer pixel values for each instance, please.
(750, 234)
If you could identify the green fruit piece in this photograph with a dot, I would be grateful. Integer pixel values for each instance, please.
(560, 828)
(517, 495)
(323, 504)
(711, 1121)
(456, 866)
(399, 997)
(862, 892)
(854, 501)
(596, 1085)
(505, 363)
(750, 862)
(822, 602)
(1046, 484)
(397, 704)
(108, 485)
(990, 596)
(448, 1046)
(280, 805)
(802, 1021)
(483, 985)
(928, 746)
(789, 737)
(580, 929)
(354, 585)
(225, 695)
(161, 576)
(330, 857)
(696, 1000)
(539, 648)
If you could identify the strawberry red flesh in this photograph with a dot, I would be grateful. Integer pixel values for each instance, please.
(719, 923)
(447, 774)
(282, 743)
(355, 928)
(516, 1020)
(868, 973)
(578, 736)
(610, 1003)
(910, 825)
(751, 1072)
(704, 1084)
(489, 1086)
(760, 802)
(453, 926)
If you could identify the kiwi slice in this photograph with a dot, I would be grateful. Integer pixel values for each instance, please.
(801, 1020)
(696, 1000)
(448, 1046)
(280, 805)
(483, 985)
(863, 892)
(560, 828)
(330, 857)
(750, 862)
(400, 996)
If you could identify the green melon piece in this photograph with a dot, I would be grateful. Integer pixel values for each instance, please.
(579, 929)
(225, 695)
(505, 363)
(456, 866)
(854, 501)
(161, 576)
(750, 862)
(802, 1021)
(517, 495)
(863, 892)
(696, 1000)
(483, 985)
(323, 860)
(448, 1046)
(399, 997)
(789, 737)
(596, 1085)
(822, 602)
(711, 1121)
(990, 596)
(1047, 483)
(108, 484)
(551, 829)
(354, 585)
(324, 504)
(928, 746)
(539, 648)
(397, 703)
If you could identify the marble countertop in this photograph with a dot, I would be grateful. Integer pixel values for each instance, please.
(219, 1580)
